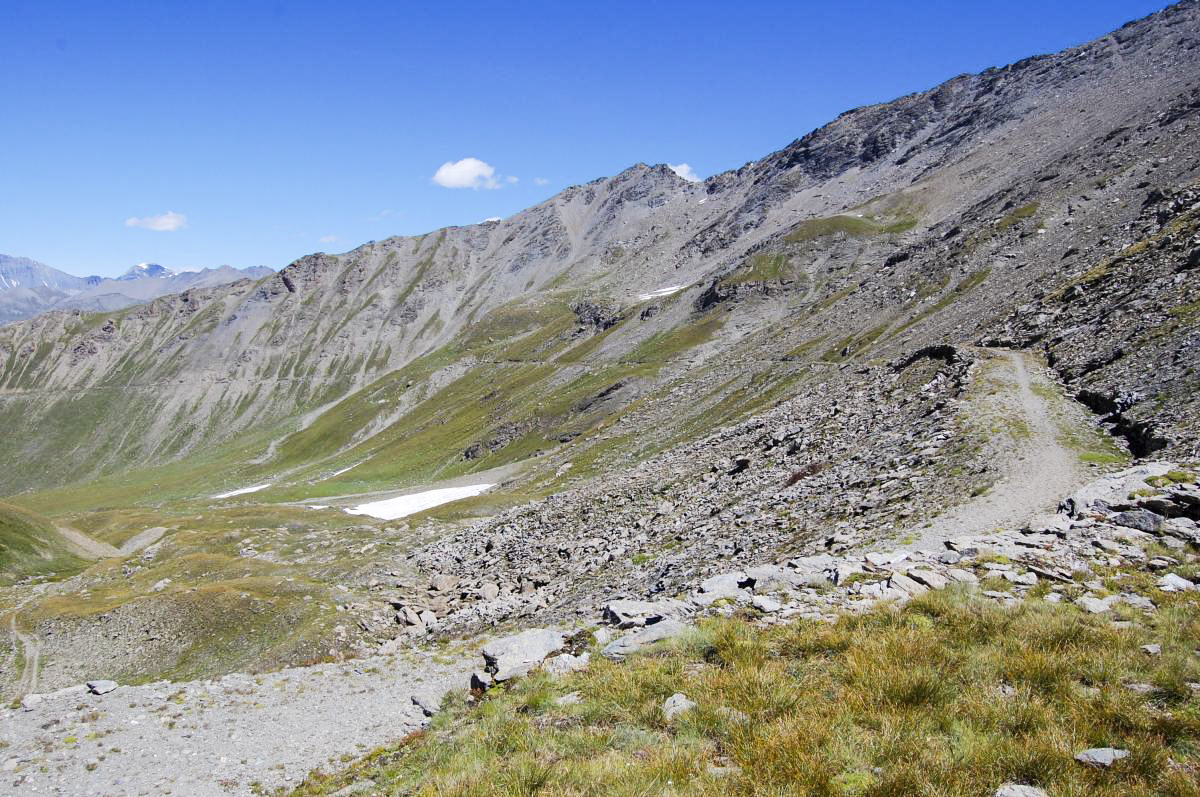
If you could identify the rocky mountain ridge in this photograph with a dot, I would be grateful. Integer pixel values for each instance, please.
(29, 288)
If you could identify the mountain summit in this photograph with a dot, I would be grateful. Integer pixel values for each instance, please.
(146, 271)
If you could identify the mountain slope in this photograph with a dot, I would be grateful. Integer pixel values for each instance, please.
(31, 545)
(27, 287)
(922, 221)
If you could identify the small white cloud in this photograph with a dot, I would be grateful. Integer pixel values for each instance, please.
(685, 171)
(540, 181)
(466, 173)
(163, 222)
(381, 215)
(512, 180)
(491, 218)
(327, 239)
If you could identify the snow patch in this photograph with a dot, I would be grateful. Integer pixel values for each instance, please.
(242, 491)
(340, 472)
(661, 292)
(318, 506)
(405, 505)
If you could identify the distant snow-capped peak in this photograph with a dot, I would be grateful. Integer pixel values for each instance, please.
(144, 270)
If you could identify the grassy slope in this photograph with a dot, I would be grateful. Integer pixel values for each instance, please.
(31, 546)
(950, 695)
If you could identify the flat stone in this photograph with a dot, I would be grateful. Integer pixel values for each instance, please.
(885, 559)
(1102, 757)
(724, 582)
(1019, 790)
(101, 687)
(962, 576)
(569, 699)
(1173, 583)
(1092, 604)
(1138, 601)
(517, 655)
(566, 663)
(675, 705)
(765, 604)
(1140, 519)
(633, 642)
(928, 578)
(427, 703)
(635, 614)
(906, 585)
(1152, 650)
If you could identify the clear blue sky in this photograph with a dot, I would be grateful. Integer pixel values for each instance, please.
(279, 129)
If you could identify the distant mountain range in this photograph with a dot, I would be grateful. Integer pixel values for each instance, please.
(29, 288)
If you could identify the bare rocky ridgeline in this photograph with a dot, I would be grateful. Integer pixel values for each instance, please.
(870, 364)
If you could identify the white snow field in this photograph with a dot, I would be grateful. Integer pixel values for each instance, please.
(393, 508)
(242, 491)
(661, 292)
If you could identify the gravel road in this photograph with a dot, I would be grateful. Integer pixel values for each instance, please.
(217, 737)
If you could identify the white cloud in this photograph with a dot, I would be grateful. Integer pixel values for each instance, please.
(466, 173)
(512, 180)
(491, 218)
(327, 239)
(685, 171)
(540, 181)
(163, 222)
(381, 215)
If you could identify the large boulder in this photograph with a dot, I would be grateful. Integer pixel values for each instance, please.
(517, 655)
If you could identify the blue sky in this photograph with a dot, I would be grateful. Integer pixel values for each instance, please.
(271, 130)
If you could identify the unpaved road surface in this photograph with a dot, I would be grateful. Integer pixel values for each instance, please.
(217, 737)
(1040, 470)
(31, 655)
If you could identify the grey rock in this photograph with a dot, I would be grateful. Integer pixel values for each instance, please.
(517, 655)
(1138, 601)
(1019, 790)
(634, 614)
(1174, 583)
(569, 699)
(724, 583)
(928, 578)
(906, 585)
(1140, 519)
(427, 703)
(765, 604)
(481, 681)
(101, 687)
(675, 705)
(566, 663)
(1094, 605)
(638, 640)
(1102, 757)
(1152, 650)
